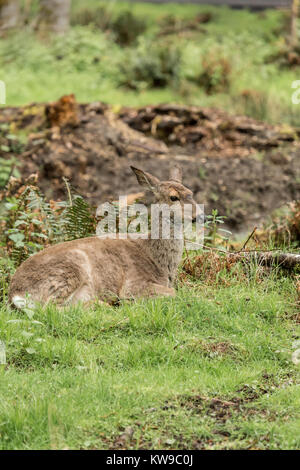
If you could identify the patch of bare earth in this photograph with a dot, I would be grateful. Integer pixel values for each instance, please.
(242, 167)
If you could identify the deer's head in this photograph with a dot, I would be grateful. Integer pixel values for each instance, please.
(171, 192)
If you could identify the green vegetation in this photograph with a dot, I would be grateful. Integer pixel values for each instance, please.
(117, 51)
(77, 378)
(211, 368)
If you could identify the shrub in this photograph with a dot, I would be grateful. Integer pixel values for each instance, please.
(100, 17)
(151, 65)
(286, 55)
(171, 24)
(126, 27)
(170, 20)
(284, 229)
(215, 74)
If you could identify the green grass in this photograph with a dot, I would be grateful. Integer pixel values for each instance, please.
(89, 63)
(77, 378)
(210, 368)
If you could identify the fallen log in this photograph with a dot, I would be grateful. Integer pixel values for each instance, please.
(269, 258)
(264, 258)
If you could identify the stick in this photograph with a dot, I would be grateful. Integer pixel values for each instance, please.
(264, 257)
(68, 190)
(145, 147)
(250, 236)
(284, 260)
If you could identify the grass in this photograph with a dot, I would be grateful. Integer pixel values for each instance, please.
(210, 369)
(91, 64)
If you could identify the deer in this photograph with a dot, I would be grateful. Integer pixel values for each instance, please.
(98, 269)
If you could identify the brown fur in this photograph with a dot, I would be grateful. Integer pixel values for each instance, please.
(94, 268)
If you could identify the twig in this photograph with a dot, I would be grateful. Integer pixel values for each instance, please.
(68, 190)
(207, 247)
(250, 236)
(233, 252)
(265, 257)
(145, 147)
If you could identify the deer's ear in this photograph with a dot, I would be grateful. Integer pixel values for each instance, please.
(176, 174)
(146, 179)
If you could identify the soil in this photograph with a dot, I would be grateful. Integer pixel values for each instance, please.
(241, 167)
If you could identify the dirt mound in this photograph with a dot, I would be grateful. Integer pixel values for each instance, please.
(242, 167)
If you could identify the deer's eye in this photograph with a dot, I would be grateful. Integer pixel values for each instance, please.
(174, 198)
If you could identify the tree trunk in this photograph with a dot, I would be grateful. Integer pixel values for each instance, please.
(54, 16)
(294, 20)
(9, 14)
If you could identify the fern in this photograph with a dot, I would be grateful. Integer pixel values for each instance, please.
(7, 169)
(53, 220)
(30, 222)
(78, 219)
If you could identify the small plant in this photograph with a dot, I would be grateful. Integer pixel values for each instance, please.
(29, 222)
(9, 142)
(202, 173)
(214, 237)
(7, 169)
(284, 229)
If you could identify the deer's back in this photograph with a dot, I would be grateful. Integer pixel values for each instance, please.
(106, 265)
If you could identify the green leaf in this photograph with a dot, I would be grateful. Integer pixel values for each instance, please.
(20, 222)
(9, 206)
(41, 235)
(27, 334)
(30, 351)
(17, 237)
(36, 222)
(29, 312)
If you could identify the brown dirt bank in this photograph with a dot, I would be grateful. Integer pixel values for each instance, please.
(242, 167)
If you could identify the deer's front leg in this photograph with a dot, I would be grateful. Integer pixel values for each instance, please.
(158, 290)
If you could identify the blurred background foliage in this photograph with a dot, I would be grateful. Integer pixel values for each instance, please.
(129, 53)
